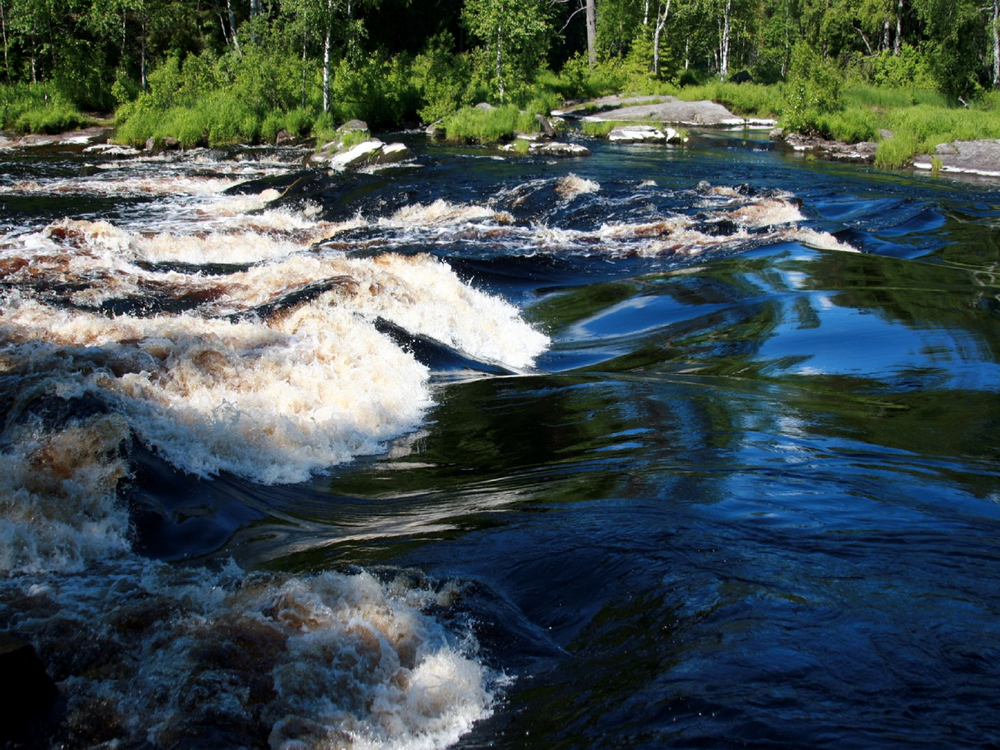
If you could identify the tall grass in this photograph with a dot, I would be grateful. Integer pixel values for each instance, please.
(743, 99)
(489, 125)
(38, 108)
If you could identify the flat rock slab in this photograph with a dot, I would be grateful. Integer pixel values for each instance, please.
(860, 152)
(643, 134)
(670, 109)
(964, 157)
(558, 148)
(75, 138)
(605, 103)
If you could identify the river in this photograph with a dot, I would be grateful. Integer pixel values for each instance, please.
(661, 447)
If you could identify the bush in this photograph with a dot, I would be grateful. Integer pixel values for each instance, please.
(38, 108)
(440, 78)
(488, 126)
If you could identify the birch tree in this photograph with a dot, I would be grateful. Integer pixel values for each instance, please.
(515, 36)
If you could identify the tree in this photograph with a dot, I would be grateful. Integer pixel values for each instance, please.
(515, 35)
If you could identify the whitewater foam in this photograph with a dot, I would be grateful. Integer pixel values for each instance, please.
(175, 656)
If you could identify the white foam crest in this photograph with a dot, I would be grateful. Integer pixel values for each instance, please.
(764, 213)
(820, 240)
(112, 183)
(420, 293)
(330, 660)
(273, 404)
(58, 508)
(216, 247)
(572, 185)
(439, 213)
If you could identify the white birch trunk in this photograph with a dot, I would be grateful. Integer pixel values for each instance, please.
(661, 21)
(592, 32)
(996, 43)
(3, 22)
(232, 24)
(724, 45)
(326, 63)
(897, 45)
(500, 86)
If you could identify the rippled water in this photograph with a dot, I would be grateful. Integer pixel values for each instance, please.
(659, 447)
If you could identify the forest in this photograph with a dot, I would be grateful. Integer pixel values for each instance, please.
(220, 71)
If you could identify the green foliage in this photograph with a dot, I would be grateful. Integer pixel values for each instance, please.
(440, 77)
(515, 36)
(743, 99)
(488, 125)
(907, 69)
(377, 91)
(597, 128)
(813, 90)
(38, 108)
(896, 151)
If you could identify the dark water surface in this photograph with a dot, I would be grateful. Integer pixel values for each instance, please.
(747, 493)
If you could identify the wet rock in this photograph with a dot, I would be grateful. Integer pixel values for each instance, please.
(860, 152)
(372, 151)
(434, 129)
(71, 139)
(356, 156)
(282, 137)
(636, 134)
(352, 126)
(546, 127)
(159, 145)
(558, 148)
(392, 152)
(964, 157)
(29, 690)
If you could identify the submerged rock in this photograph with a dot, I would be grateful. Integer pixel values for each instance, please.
(636, 134)
(558, 148)
(372, 151)
(861, 152)
(29, 689)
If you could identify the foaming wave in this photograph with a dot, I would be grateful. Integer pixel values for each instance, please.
(58, 507)
(571, 186)
(420, 294)
(440, 213)
(113, 184)
(175, 657)
(273, 403)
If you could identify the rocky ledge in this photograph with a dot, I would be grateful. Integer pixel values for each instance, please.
(963, 157)
(836, 150)
(74, 138)
(668, 110)
(551, 148)
(644, 134)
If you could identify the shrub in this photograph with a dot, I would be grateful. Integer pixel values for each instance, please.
(489, 126)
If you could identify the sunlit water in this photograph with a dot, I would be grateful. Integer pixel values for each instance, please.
(659, 447)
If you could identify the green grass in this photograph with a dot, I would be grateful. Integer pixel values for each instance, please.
(746, 99)
(489, 126)
(919, 120)
(598, 128)
(38, 108)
